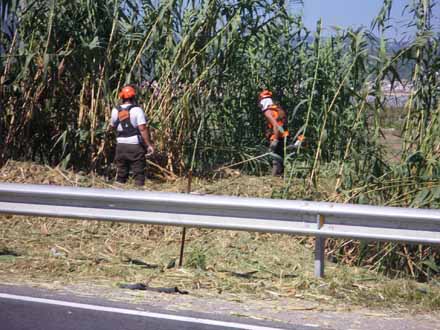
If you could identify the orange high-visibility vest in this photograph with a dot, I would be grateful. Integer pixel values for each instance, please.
(280, 117)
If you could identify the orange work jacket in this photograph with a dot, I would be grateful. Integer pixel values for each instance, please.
(280, 117)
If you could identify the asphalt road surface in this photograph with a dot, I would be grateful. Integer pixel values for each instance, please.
(23, 309)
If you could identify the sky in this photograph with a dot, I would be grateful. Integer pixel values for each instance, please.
(355, 13)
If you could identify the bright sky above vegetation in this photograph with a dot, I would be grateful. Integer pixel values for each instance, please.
(355, 13)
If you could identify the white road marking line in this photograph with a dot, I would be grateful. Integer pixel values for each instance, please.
(136, 313)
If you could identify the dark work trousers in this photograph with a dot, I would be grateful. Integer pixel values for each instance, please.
(278, 159)
(130, 156)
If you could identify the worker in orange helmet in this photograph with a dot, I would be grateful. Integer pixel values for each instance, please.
(277, 132)
(133, 137)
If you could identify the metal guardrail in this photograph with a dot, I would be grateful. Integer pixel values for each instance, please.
(223, 212)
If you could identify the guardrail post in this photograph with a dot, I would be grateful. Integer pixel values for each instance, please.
(319, 249)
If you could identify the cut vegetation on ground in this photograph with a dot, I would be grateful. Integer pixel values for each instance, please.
(233, 265)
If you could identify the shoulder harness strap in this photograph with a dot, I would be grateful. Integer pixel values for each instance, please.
(128, 129)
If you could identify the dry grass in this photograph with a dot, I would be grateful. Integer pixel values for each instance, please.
(220, 263)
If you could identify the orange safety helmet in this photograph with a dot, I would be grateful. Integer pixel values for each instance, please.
(264, 95)
(127, 92)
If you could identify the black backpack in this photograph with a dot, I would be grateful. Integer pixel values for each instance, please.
(128, 129)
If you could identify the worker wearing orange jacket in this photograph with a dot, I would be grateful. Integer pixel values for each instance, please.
(133, 137)
(277, 132)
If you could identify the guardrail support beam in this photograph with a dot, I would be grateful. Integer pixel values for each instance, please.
(319, 256)
(319, 248)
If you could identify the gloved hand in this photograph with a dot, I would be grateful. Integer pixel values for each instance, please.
(273, 145)
(300, 140)
(150, 150)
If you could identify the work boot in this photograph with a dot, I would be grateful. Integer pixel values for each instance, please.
(139, 183)
(121, 181)
(277, 168)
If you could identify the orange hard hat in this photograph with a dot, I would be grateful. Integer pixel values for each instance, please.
(127, 92)
(264, 95)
